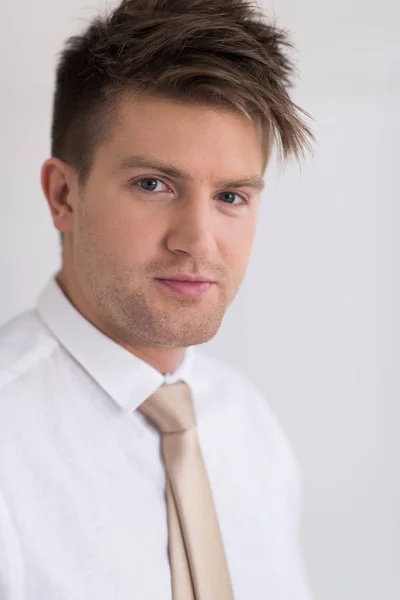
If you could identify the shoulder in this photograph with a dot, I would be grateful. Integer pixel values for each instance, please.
(218, 374)
(251, 403)
(24, 343)
(222, 374)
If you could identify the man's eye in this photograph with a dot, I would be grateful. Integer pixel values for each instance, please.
(242, 202)
(149, 184)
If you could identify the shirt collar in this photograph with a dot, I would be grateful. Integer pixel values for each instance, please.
(128, 379)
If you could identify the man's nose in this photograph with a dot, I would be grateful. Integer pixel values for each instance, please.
(192, 227)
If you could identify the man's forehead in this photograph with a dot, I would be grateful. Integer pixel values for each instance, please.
(131, 156)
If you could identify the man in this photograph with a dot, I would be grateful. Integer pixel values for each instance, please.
(131, 464)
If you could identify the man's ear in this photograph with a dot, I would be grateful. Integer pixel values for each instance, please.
(59, 186)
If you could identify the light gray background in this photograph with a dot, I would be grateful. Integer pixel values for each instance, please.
(316, 323)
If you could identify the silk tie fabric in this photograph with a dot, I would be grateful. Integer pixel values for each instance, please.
(199, 569)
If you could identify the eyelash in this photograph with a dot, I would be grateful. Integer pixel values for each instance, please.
(243, 198)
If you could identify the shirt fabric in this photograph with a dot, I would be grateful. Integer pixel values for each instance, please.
(82, 483)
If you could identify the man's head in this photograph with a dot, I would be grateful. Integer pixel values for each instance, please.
(199, 86)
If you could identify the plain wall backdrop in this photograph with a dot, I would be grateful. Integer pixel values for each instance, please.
(316, 323)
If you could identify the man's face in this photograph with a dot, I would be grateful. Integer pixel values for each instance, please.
(133, 225)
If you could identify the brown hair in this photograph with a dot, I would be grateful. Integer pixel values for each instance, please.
(214, 52)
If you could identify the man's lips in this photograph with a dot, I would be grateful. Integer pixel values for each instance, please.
(189, 289)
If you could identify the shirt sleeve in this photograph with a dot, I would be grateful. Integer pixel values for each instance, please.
(297, 585)
(298, 582)
(11, 568)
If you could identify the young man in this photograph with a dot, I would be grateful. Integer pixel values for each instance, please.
(131, 464)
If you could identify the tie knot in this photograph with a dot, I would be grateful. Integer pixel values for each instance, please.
(170, 408)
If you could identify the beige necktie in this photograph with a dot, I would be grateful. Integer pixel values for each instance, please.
(199, 569)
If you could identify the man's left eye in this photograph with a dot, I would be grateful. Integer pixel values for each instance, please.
(232, 194)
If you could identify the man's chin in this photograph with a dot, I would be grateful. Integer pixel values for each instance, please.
(183, 339)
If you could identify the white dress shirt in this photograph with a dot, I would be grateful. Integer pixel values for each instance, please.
(82, 482)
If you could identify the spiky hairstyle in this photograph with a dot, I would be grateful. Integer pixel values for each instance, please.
(219, 53)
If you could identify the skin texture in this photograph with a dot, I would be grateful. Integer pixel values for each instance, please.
(122, 230)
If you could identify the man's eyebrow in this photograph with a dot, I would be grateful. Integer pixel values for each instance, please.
(133, 162)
